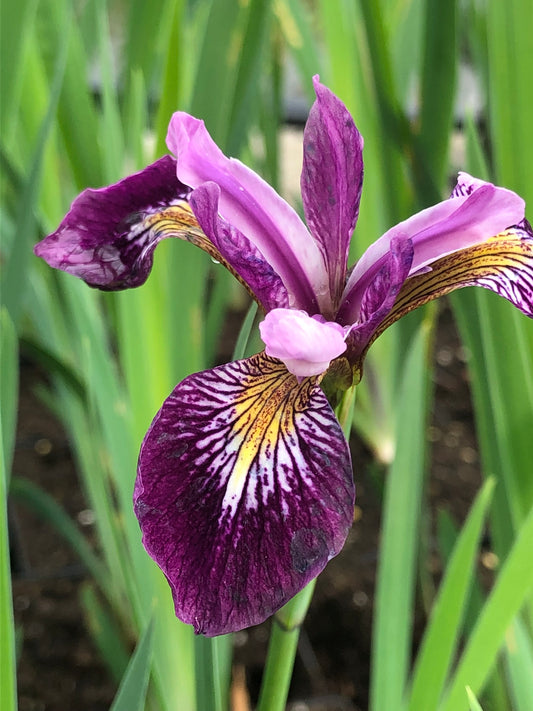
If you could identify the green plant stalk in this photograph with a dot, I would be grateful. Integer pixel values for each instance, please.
(288, 620)
(9, 363)
(282, 650)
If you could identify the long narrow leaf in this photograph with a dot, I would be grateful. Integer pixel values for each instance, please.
(106, 632)
(514, 583)
(439, 71)
(519, 664)
(42, 504)
(442, 633)
(15, 273)
(8, 408)
(132, 691)
(397, 561)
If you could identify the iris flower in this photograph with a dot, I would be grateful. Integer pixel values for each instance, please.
(244, 488)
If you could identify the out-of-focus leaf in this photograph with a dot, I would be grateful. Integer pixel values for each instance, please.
(131, 694)
(13, 286)
(519, 664)
(31, 496)
(8, 411)
(399, 542)
(439, 69)
(513, 583)
(474, 703)
(444, 626)
(106, 633)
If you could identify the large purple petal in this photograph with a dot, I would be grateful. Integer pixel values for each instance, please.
(250, 205)
(108, 236)
(244, 492)
(246, 260)
(331, 182)
(475, 212)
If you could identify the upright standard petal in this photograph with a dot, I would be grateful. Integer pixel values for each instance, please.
(244, 492)
(254, 208)
(331, 182)
(474, 213)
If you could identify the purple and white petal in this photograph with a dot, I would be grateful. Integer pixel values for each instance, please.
(475, 212)
(246, 261)
(331, 182)
(306, 344)
(254, 208)
(108, 236)
(244, 492)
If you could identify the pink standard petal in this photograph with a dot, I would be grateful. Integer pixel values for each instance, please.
(479, 212)
(305, 344)
(252, 206)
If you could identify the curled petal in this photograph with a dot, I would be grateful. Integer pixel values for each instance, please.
(503, 264)
(305, 344)
(243, 258)
(475, 212)
(108, 236)
(244, 492)
(331, 182)
(254, 208)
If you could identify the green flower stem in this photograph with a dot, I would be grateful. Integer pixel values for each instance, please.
(282, 651)
(288, 620)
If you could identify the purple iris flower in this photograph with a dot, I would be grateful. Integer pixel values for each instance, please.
(244, 488)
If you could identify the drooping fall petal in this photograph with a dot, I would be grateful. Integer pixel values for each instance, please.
(108, 236)
(244, 492)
